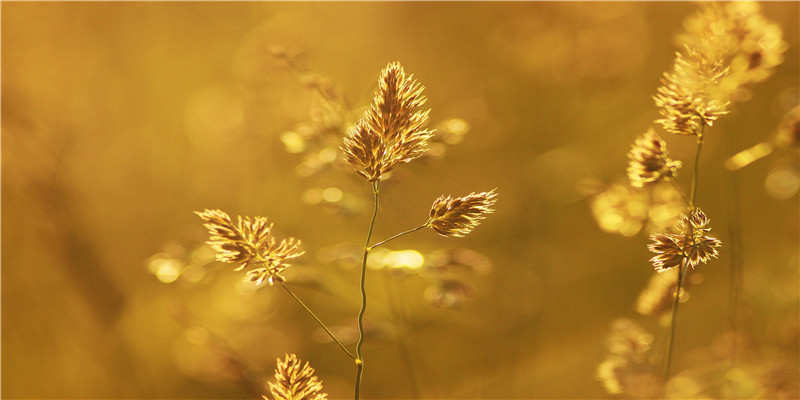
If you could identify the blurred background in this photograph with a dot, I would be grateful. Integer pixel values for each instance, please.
(121, 119)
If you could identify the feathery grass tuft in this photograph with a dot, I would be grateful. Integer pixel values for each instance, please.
(649, 162)
(458, 216)
(250, 243)
(392, 130)
(295, 381)
(683, 98)
(690, 245)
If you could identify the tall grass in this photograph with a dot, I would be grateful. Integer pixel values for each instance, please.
(391, 132)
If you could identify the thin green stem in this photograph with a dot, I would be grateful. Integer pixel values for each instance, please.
(328, 331)
(425, 225)
(671, 335)
(359, 356)
(684, 265)
(693, 195)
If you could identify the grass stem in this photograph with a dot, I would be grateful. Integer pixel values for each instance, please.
(359, 356)
(425, 225)
(671, 335)
(682, 269)
(695, 172)
(328, 331)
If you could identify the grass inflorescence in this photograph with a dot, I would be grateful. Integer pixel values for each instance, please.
(392, 131)
(726, 48)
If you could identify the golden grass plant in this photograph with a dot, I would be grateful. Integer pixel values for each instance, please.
(392, 131)
(726, 47)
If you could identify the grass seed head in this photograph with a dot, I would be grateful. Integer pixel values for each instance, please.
(249, 242)
(690, 244)
(295, 381)
(458, 216)
(392, 130)
(649, 162)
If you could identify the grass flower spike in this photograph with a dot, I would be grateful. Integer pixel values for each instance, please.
(649, 162)
(727, 46)
(392, 130)
(738, 32)
(295, 381)
(683, 99)
(690, 245)
(250, 243)
(457, 217)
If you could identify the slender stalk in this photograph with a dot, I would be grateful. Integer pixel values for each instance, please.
(693, 195)
(359, 356)
(671, 335)
(425, 225)
(328, 331)
(682, 268)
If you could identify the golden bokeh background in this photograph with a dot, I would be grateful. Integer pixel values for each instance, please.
(121, 119)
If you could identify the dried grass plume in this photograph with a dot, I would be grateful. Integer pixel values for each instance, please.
(249, 242)
(649, 162)
(295, 381)
(690, 244)
(392, 129)
(458, 216)
(727, 46)
(683, 99)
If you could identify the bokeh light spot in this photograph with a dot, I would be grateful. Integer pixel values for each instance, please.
(293, 142)
(411, 259)
(168, 270)
(782, 182)
(332, 194)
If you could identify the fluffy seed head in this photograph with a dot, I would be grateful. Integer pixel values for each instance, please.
(391, 131)
(683, 99)
(736, 32)
(458, 216)
(250, 243)
(649, 162)
(295, 381)
(727, 46)
(690, 244)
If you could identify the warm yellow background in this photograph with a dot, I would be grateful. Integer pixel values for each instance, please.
(120, 119)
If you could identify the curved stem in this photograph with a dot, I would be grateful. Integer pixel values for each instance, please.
(693, 195)
(684, 265)
(425, 225)
(671, 335)
(328, 331)
(359, 357)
